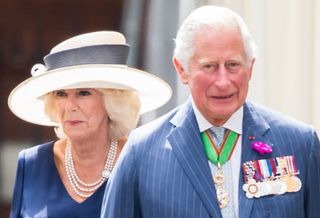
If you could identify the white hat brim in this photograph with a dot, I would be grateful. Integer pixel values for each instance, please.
(25, 102)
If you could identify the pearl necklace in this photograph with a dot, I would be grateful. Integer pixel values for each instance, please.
(81, 188)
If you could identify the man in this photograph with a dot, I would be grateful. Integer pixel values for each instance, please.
(267, 165)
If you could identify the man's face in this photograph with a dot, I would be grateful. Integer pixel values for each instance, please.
(218, 74)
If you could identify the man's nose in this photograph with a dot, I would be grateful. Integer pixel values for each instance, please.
(222, 78)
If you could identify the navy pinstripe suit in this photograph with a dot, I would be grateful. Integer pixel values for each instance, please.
(163, 170)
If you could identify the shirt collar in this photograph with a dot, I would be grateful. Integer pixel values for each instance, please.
(234, 123)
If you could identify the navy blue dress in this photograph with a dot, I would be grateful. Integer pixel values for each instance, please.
(39, 191)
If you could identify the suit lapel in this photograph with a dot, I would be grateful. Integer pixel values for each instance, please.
(187, 146)
(253, 125)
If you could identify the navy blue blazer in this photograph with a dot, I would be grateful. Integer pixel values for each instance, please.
(163, 170)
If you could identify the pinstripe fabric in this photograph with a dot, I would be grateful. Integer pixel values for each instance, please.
(163, 171)
(288, 137)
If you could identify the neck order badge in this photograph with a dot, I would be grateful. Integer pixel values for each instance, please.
(219, 156)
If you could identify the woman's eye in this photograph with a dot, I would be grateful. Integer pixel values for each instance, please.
(84, 93)
(60, 93)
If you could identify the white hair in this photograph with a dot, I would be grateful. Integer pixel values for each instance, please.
(122, 107)
(214, 18)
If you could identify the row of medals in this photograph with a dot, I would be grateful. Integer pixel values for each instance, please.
(274, 186)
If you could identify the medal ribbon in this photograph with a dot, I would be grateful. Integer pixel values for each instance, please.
(223, 154)
(265, 169)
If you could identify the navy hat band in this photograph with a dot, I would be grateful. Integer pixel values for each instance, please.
(97, 54)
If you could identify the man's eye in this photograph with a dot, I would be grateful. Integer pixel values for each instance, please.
(233, 65)
(210, 66)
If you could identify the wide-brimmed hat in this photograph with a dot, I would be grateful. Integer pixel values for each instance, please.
(91, 60)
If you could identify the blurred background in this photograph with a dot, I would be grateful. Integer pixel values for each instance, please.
(286, 73)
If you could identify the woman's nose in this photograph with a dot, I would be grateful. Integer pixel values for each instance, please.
(71, 103)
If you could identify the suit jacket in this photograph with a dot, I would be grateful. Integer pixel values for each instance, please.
(163, 170)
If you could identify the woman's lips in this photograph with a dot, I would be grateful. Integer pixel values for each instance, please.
(73, 122)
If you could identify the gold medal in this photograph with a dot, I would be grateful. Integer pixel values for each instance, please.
(219, 179)
(222, 195)
(293, 183)
(297, 182)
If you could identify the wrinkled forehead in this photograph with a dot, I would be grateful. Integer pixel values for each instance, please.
(222, 39)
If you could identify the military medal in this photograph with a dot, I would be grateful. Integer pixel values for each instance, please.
(270, 176)
(288, 173)
(279, 187)
(222, 195)
(297, 182)
(219, 156)
(293, 183)
(265, 188)
(252, 189)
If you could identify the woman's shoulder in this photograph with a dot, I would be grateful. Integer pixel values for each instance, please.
(37, 161)
(34, 152)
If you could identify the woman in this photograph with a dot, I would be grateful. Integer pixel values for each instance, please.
(86, 91)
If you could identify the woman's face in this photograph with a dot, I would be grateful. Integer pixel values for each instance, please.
(81, 112)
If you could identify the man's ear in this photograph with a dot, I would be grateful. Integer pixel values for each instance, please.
(180, 70)
(251, 67)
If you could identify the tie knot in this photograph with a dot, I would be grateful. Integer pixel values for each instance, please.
(218, 134)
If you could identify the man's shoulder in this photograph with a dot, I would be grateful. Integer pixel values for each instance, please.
(160, 123)
(159, 129)
(272, 116)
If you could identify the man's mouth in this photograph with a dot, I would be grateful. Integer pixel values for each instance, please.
(223, 96)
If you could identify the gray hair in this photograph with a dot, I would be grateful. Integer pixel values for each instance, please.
(210, 17)
(122, 107)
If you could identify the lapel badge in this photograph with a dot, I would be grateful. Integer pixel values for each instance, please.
(261, 147)
(251, 137)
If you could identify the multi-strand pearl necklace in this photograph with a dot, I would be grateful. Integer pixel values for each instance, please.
(81, 188)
